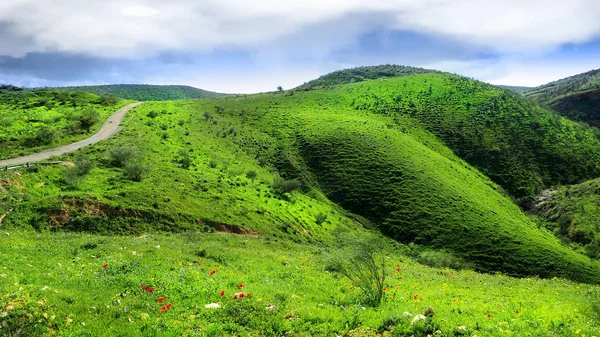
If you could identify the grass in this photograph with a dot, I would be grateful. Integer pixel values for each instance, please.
(55, 283)
(32, 121)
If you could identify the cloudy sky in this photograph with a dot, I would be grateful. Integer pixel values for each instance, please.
(251, 46)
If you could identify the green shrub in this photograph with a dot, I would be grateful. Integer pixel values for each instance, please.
(251, 174)
(320, 218)
(119, 156)
(164, 127)
(88, 118)
(152, 114)
(286, 186)
(135, 171)
(185, 160)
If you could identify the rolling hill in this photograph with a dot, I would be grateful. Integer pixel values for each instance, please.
(576, 97)
(146, 92)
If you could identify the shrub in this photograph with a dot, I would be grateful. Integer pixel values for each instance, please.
(185, 160)
(286, 186)
(165, 135)
(360, 265)
(251, 174)
(181, 122)
(320, 218)
(72, 176)
(135, 171)
(44, 137)
(88, 118)
(119, 156)
(152, 114)
(164, 127)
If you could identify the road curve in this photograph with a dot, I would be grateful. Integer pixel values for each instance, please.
(110, 127)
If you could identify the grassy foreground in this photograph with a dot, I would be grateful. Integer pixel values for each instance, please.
(68, 284)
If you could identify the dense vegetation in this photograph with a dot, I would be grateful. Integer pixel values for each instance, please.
(32, 120)
(577, 97)
(360, 74)
(573, 214)
(145, 92)
(517, 89)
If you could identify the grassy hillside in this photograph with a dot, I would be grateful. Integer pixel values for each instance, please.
(216, 162)
(56, 283)
(572, 212)
(146, 92)
(361, 74)
(577, 97)
(517, 89)
(33, 120)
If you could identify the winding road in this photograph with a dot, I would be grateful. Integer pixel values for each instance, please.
(110, 127)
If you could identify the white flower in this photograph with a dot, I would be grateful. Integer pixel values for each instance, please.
(406, 314)
(417, 318)
(212, 306)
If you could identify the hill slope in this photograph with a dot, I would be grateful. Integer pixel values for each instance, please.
(361, 74)
(577, 97)
(146, 92)
(215, 163)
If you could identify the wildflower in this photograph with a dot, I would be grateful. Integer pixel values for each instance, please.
(144, 287)
(149, 290)
(168, 306)
(489, 316)
(105, 265)
(517, 311)
(398, 269)
(164, 307)
(240, 286)
(351, 287)
(420, 298)
(242, 295)
(248, 295)
(161, 299)
(235, 297)
(212, 306)
(222, 293)
(415, 297)
(384, 289)
(213, 272)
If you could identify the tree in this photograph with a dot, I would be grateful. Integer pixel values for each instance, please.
(88, 118)
(109, 99)
(279, 89)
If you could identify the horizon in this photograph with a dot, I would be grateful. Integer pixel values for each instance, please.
(232, 47)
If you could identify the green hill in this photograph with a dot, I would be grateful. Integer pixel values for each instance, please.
(146, 92)
(338, 143)
(577, 97)
(34, 120)
(360, 74)
(517, 89)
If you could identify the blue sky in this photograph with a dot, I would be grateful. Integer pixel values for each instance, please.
(238, 46)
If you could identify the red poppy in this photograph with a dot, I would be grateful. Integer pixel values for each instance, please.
(105, 265)
(163, 309)
(168, 306)
(489, 316)
(160, 300)
(415, 297)
(213, 272)
(248, 295)
(144, 287)
(235, 297)
(420, 298)
(149, 290)
(222, 292)
(398, 269)
(242, 295)
(384, 289)
(517, 311)
(240, 286)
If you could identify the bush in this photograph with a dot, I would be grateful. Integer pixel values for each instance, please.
(320, 218)
(44, 137)
(185, 160)
(88, 118)
(360, 265)
(286, 186)
(164, 127)
(135, 171)
(152, 114)
(251, 174)
(72, 175)
(119, 156)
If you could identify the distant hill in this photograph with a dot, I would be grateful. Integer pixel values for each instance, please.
(517, 89)
(360, 74)
(146, 92)
(577, 97)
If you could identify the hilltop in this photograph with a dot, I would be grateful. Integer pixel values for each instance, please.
(577, 97)
(146, 92)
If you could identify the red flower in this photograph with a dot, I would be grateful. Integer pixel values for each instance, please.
(144, 287)
(398, 269)
(420, 298)
(489, 316)
(240, 286)
(415, 297)
(213, 272)
(163, 309)
(222, 292)
(168, 306)
(149, 290)
(351, 287)
(235, 297)
(248, 295)
(105, 265)
(517, 311)
(384, 289)
(242, 295)
(160, 300)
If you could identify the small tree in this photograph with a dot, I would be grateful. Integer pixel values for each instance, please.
(279, 88)
(119, 156)
(88, 118)
(109, 99)
(185, 160)
(135, 171)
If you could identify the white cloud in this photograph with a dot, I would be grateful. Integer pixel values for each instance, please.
(141, 28)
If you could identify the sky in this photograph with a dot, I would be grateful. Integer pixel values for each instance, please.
(241, 46)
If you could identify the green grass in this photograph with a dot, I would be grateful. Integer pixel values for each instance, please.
(145, 92)
(31, 121)
(55, 283)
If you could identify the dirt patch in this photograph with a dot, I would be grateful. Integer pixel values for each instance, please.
(227, 228)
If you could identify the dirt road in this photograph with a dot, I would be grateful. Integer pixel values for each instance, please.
(110, 127)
